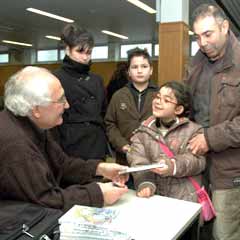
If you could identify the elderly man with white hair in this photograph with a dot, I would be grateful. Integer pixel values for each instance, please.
(33, 167)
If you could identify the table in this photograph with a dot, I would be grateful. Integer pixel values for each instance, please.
(155, 218)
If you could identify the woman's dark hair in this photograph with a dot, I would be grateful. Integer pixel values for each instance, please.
(138, 52)
(73, 35)
(118, 79)
(183, 95)
(120, 72)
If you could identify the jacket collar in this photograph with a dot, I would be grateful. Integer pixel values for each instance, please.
(149, 127)
(74, 68)
(36, 135)
(150, 86)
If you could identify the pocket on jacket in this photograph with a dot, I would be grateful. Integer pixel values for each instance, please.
(230, 92)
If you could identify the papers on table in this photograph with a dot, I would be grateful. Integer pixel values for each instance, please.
(82, 222)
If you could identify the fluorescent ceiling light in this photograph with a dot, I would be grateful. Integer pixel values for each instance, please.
(143, 6)
(53, 37)
(17, 43)
(34, 10)
(114, 34)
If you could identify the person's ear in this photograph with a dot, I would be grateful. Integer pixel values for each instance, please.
(128, 73)
(151, 70)
(179, 109)
(225, 26)
(67, 50)
(35, 112)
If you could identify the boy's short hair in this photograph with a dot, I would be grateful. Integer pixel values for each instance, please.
(138, 52)
(183, 95)
(73, 35)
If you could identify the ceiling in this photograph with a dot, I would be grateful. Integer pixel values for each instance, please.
(119, 16)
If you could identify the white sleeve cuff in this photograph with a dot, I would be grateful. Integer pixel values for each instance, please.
(174, 166)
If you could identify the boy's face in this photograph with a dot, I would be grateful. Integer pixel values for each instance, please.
(165, 105)
(139, 70)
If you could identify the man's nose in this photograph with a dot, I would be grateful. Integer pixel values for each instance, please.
(202, 42)
(85, 56)
(66, 105)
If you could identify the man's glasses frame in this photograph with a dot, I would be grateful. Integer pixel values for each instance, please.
(61, 100)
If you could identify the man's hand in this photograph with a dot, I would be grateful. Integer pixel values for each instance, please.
(111, 171)
(111, 193)
(126, 148)
(145, 192)
(198, 145)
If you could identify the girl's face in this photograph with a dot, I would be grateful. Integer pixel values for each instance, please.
(165, 106)
(79, 54)
(139, 70)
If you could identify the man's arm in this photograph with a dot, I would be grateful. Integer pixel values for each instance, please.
(224, 135)
(217, 138)
(29, 177)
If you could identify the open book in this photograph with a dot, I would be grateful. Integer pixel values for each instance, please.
(142, 168)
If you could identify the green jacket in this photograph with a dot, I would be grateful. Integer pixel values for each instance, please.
(122, 116)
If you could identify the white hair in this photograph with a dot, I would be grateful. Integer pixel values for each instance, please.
(26, 89)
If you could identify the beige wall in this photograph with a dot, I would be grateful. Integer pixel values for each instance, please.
(105, 69)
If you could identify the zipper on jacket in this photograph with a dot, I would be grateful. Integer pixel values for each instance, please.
(139, 102)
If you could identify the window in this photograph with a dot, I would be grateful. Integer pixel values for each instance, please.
(47, 55)
(62, 54)
(100, 52)
(156, 50)
(4, 58)
(194, 48)
(126, 48)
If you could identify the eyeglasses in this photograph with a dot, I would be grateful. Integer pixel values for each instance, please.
(164, 99)
(61, 100)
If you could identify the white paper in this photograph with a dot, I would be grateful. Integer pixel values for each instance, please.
(142, 168)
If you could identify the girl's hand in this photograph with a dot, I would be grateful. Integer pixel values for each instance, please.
(145, 192)
(167, 169)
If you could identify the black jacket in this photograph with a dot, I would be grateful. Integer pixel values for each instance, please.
(82, 132)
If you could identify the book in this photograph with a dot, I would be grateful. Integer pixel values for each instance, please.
(142, 168)
(82, 222)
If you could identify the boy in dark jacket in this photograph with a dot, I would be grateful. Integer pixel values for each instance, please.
(131, 104)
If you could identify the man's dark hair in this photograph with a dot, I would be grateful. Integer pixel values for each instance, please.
(138, 52)
(183, 95)
(207, 10)
(73, 35)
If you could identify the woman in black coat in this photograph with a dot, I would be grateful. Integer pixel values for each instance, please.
(82, 132)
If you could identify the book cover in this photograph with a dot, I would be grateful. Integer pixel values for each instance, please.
(82, 222)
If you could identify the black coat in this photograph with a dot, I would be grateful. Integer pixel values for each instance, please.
(82, 133)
